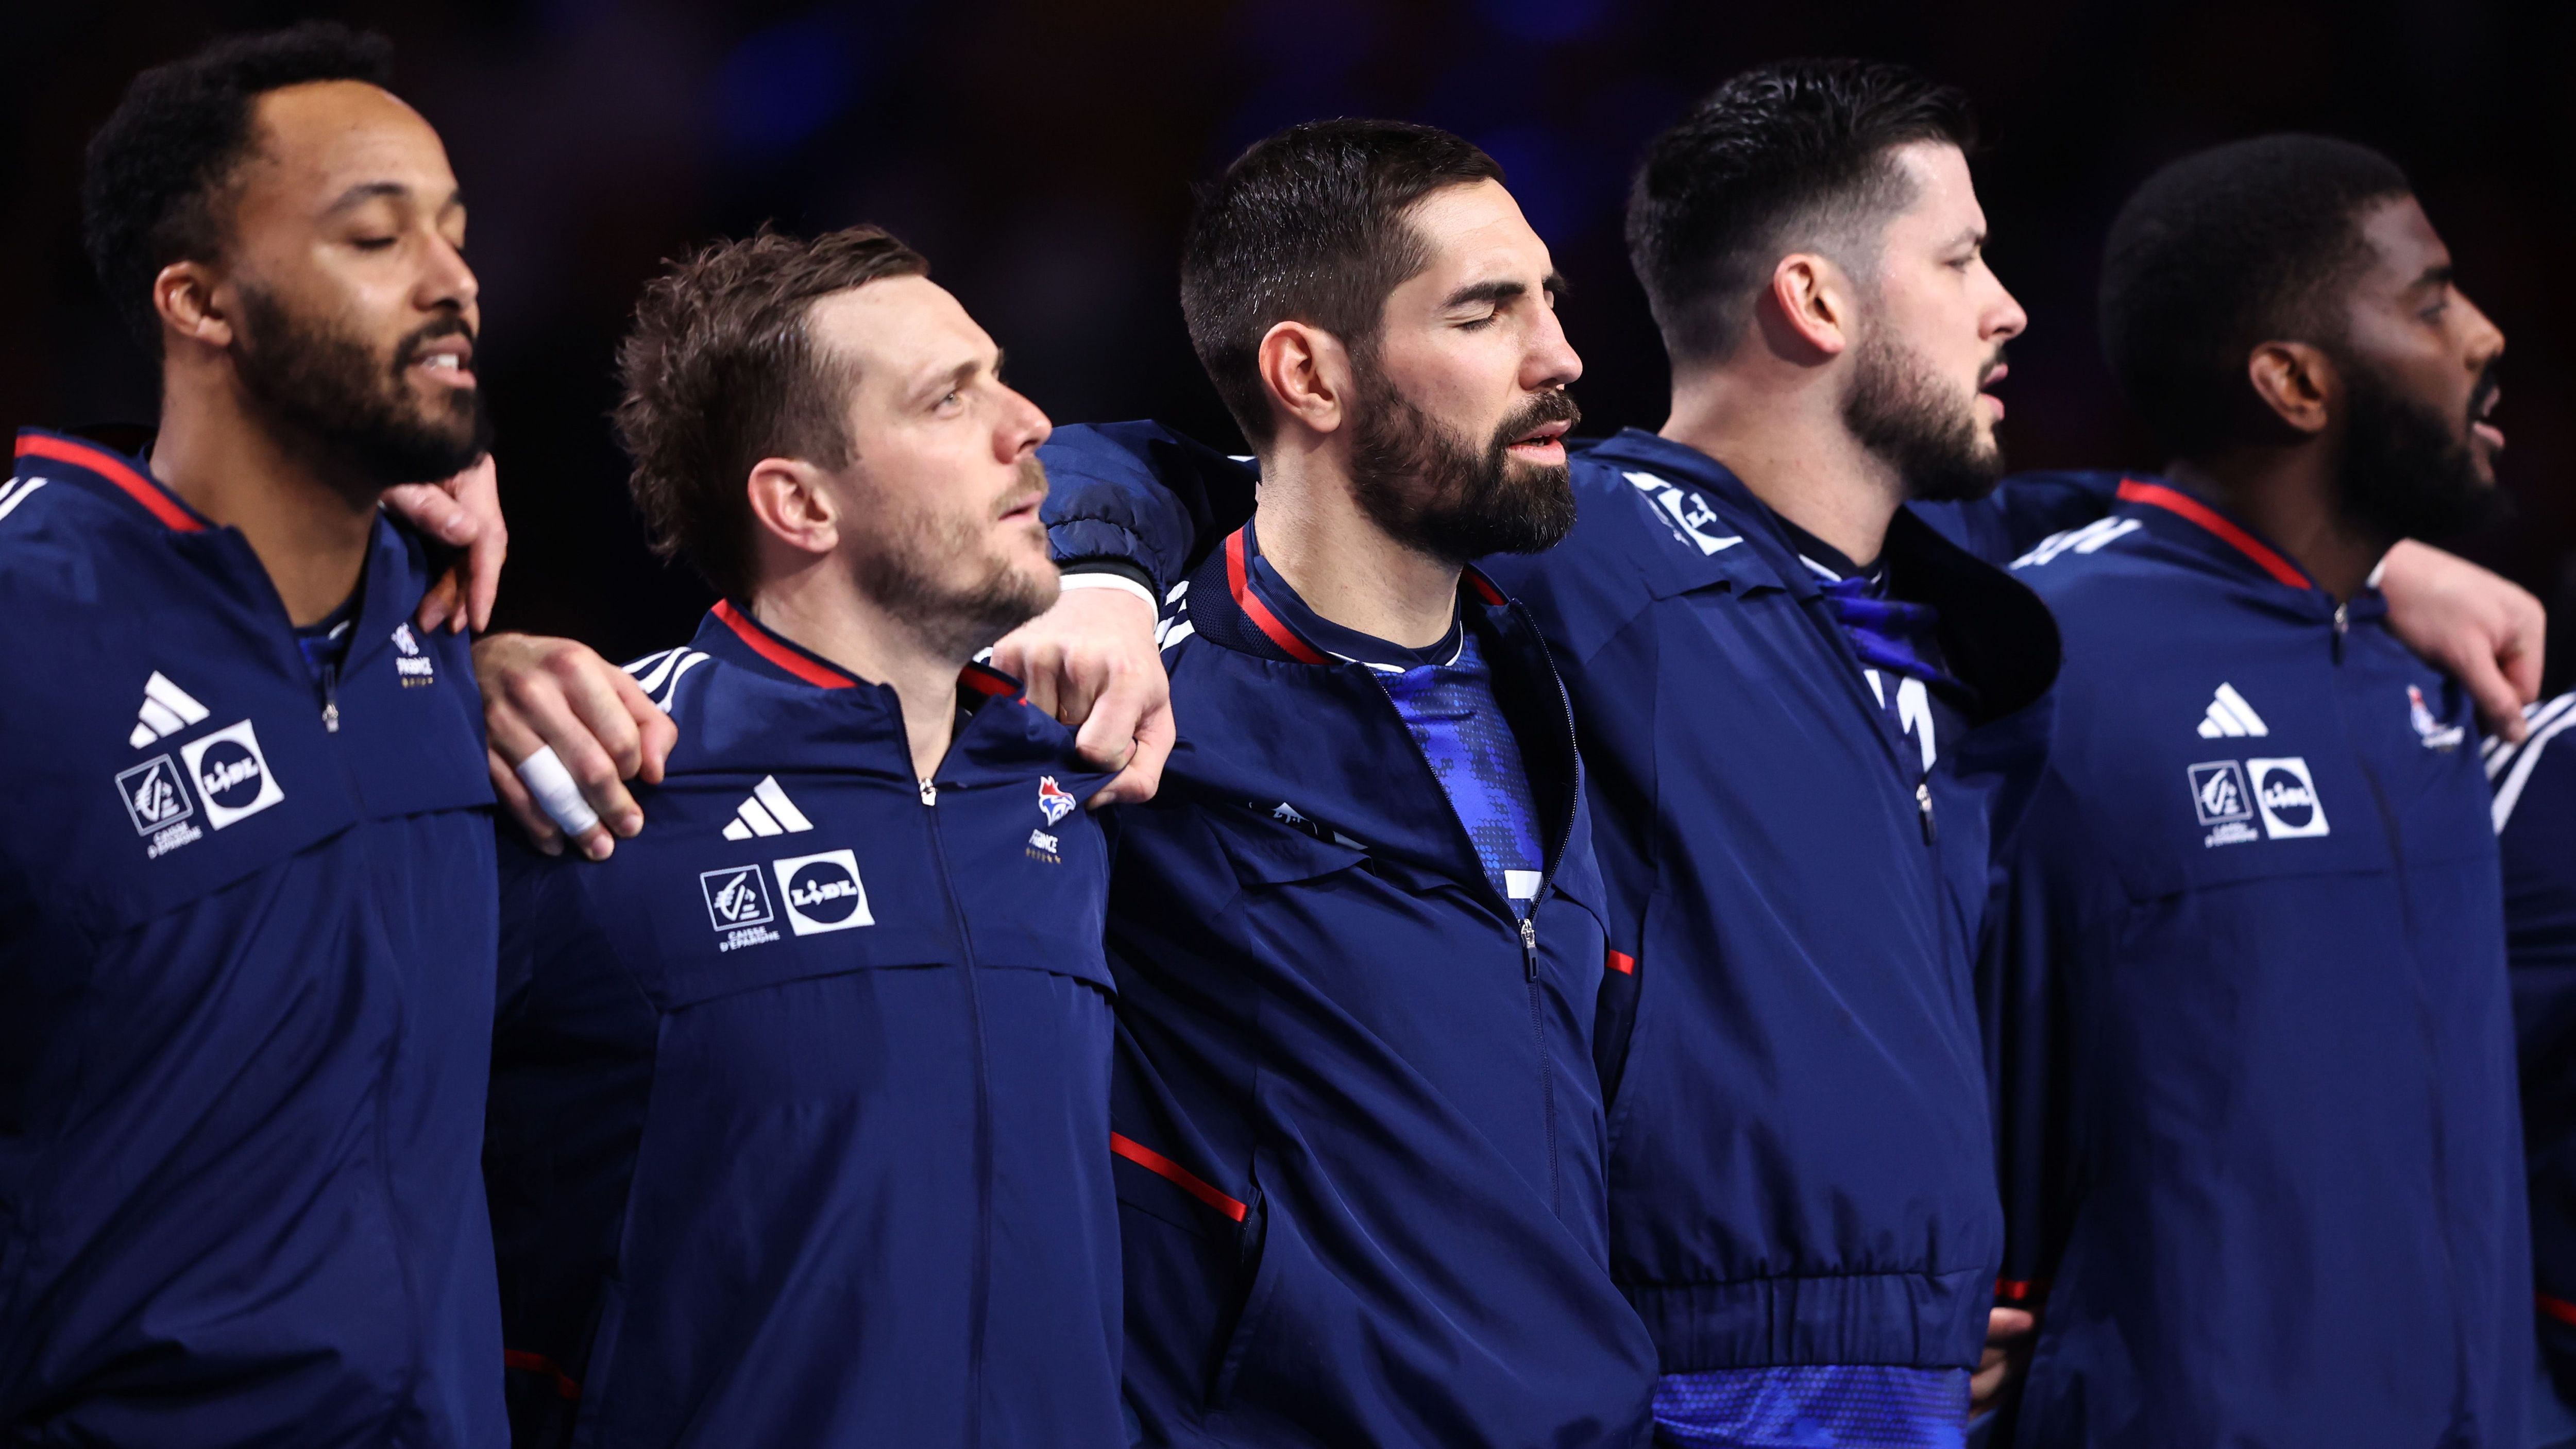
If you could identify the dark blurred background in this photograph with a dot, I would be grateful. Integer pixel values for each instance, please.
(1041, 154)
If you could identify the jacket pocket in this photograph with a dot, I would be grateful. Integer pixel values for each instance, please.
(1269, 852)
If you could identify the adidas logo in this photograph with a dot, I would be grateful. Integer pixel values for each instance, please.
(167, 709)
(767, 812)
(2229, 716)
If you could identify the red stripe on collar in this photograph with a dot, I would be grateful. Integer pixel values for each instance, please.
(822, 676)
(1239, 583)
(989, 682)
(2157, 495)
(117, 471)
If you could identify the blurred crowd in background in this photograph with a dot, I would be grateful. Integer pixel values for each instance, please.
(1042, 155)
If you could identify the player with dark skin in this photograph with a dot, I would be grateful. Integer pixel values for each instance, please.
(348, 212)
(2427, 346)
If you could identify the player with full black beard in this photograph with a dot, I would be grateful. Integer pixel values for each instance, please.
(2260, 1147)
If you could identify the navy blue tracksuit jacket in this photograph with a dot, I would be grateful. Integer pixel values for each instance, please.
(2255, 1056)
(2535, 820)
(246, 944)
(1801, 1168)
(1360, 1143)
(800, 1110)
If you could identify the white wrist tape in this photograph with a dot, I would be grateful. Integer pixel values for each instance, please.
(1107, 580)
(553, 785)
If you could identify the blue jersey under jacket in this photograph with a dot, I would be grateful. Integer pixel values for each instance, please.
(800, 1109)
(2256, 1063)
(2535, 820)
(246, 944)
(1801, 1168)
(1360, 1142)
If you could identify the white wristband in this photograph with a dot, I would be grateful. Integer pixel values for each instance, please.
(553, 785)
(1104, 579)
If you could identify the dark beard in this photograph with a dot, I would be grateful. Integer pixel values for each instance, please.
(348, 408)
(2407, 473)
(1902, 415)
(1443, 497)
(955, 623)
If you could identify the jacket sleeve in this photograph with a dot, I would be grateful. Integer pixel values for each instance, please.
(2055, 897)
(2537, 795)
(1139, 496)
(2024, 509)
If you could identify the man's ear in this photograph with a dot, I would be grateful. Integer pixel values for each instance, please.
(184, 294)
(1307, 373)
(792, 503)
(1808, 310)
(2297, 381)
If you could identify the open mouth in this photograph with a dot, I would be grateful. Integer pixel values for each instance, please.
(2482, 430)
(1023, 509)
(1542, 444)
(1994, 375)
(448, 360)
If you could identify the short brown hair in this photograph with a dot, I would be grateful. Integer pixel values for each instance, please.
(1310, 225)
(720, 372)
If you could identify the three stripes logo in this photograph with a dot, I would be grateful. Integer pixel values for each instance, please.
(767, 812)
(2230, 717)
(167, 709)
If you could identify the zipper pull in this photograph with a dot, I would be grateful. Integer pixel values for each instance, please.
(1923, 802)
(331, 699)
(2342, 622)
(1529, 947)
(929, 793)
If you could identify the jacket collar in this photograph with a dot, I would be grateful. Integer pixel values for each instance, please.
(1007, 739)
(1741, 539)
(1225, 608)
(2211, 533)
(104, 471)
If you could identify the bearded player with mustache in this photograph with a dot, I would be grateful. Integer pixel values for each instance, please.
(2262, 1158)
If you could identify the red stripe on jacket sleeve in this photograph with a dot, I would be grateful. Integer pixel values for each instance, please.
(1623, 963)
(1164, 1167)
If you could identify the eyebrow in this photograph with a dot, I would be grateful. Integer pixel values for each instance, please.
(958, 376)
(2440, 274)
(366, 191)
(1500, 291)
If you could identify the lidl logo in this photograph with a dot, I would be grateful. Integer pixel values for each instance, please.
(2287, 797)
(822, 892)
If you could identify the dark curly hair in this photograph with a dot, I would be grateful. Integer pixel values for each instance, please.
(156, 172)
(1309, 225)
(1784, 157)
(2220, 252)
(721, 371)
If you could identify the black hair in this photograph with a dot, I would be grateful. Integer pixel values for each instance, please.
(2220, 252)
(1309, 225)
(152, 187)
(1784, 157)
